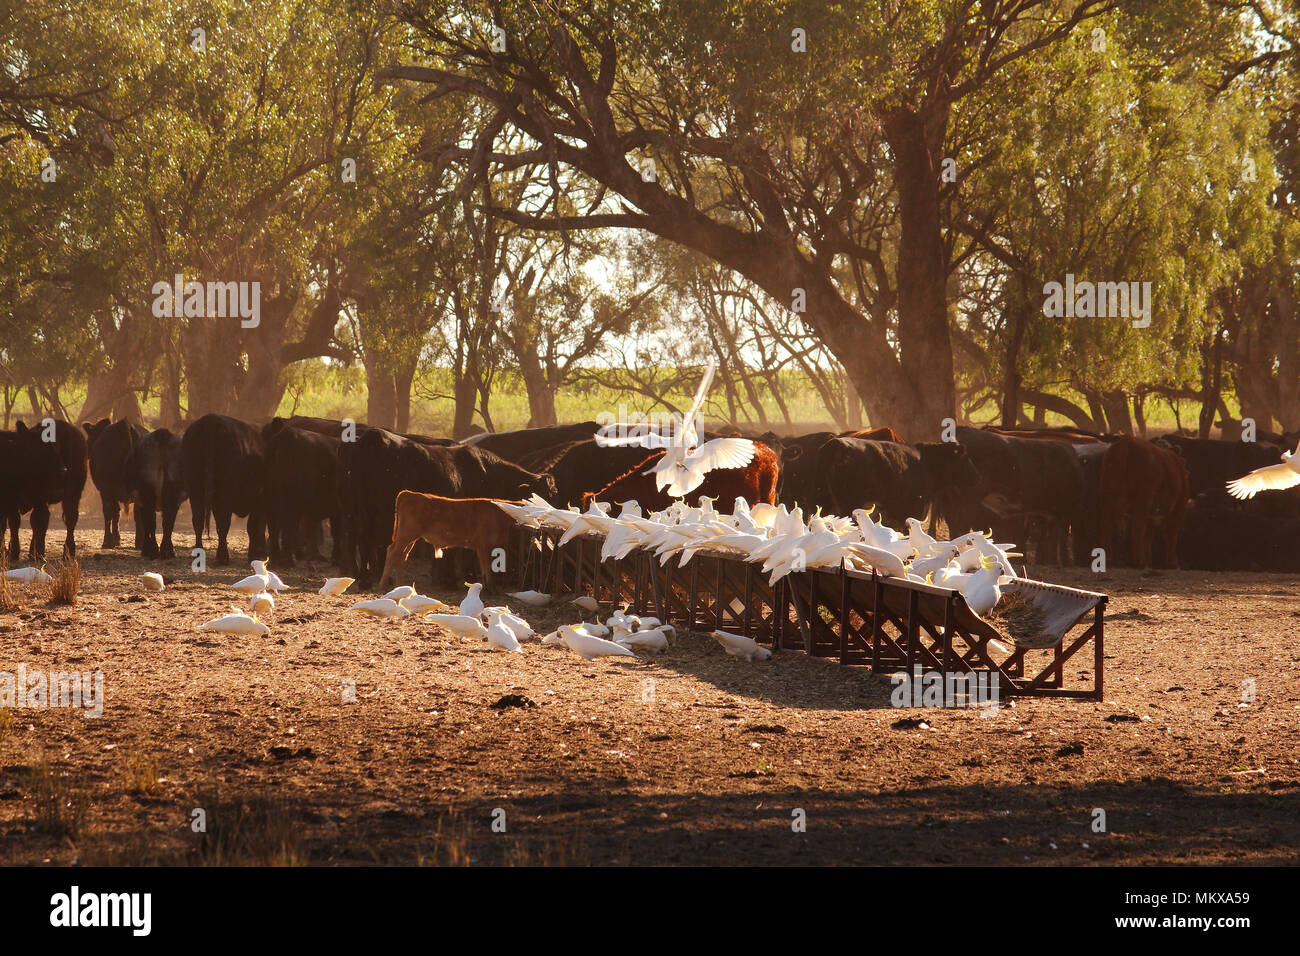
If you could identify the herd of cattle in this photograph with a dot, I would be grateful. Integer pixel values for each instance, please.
(1064, 493)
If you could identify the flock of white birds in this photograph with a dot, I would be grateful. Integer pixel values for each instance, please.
(621, 635)
(782, 541)
(778, 538)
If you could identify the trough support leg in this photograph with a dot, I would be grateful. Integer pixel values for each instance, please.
(694, 583)
(719, 621)
(1099, 651)
(749, 596)
(912, 636)
(781, 611)
(877, 628)
(844, 615)
(947, 636)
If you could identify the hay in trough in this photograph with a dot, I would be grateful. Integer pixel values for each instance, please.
(1019, 617)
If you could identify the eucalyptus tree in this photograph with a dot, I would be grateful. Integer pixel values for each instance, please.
(766, 136)
(1101, 178)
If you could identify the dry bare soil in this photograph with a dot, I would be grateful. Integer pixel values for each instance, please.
(690, 757)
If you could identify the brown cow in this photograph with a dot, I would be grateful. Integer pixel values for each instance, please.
(474, 523)
(1143, 489)
(756, 482)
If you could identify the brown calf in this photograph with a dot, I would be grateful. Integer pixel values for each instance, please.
(474, 523)
(1143, 491)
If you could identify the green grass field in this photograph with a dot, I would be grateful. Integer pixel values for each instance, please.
(313, 388)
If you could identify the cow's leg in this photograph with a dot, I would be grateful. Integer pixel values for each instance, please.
(70, 516)
(199, 516)
(278, 539)
(221, 518)
(145, 528)
(290, 537)
(1142, 541)
(485, 563)
(40, 521)
(336, 546)
(311, 538)
(1052, 540)
(256, 535)
(14, 520)
(110, 521)
(395, 562)
(170, 506)
(1108, 534)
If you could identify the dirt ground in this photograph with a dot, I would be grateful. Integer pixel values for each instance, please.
(689, 757)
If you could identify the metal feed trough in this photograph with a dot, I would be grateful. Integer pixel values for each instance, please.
(854, 616)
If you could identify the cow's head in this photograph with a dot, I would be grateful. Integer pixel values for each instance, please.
(955, 464)
(40, 458)
(543, 485)
(94, 429)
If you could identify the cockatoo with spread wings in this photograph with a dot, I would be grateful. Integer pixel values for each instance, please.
(685, 461)
(1269, 478)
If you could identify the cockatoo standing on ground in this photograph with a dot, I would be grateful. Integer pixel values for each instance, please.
(685, 461)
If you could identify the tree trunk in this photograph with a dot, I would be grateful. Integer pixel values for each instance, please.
(402, 380)
(1011, 380)
(925, 343)
(465, 394)
(1211, 382)
(109, 395)
(169, 401)
(541, 398)
(381, 391)
(1115, 404)
(212, 367)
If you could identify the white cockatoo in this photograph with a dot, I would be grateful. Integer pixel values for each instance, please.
(685, 462)
(1268, 478)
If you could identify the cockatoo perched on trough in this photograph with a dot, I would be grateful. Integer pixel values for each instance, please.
(685, 461)
(1269, 478)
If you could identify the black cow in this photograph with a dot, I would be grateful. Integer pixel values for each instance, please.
(1211, 464)
(111, 445)
(69, 443)
(302, 489)
(514, 445)
(582, 466)
(224, 464)
(156, 472)
(1218, 536)
(27, 465)
(801, 482)
(352, 496)
(903, 480)
(1029, 487)
(384, 464)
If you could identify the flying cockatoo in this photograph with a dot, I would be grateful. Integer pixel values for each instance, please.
(1269, 478)
(685, 462)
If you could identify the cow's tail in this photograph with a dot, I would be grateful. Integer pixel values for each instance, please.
(209, 491)
(397, 503)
